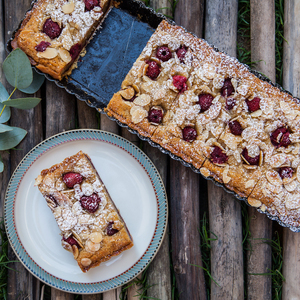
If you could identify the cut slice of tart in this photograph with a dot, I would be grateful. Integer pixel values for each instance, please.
(91, 226)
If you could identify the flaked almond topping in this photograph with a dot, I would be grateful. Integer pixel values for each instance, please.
(261, 158)
(274, 178)
(290, 187)
(85, 261)
(65, 55)
(75, 251)
(127, 93)
(49, 53)
(142, 100)
(250, 183)
(256, 114)
(93, 247)
(298, 174)
(68, 8)
(205, 172)
(138, 114)
(96, 237)
(263, 208)
(226, 178)
(254, 202)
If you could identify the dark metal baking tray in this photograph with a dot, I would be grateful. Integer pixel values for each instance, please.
(110, 55)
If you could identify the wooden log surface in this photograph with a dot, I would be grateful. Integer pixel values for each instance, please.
(291, 79)
(21, 283)
(225, 220)
(259, 255)
(184, 195)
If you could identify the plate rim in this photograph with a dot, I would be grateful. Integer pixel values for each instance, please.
(50, 143)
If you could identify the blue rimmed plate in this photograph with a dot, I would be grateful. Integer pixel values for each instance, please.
(133, 183)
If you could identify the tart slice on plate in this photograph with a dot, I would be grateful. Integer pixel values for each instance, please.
(91, 226)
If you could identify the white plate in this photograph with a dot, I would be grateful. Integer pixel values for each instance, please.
(133, 183)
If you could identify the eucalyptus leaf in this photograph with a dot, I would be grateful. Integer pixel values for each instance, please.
(22, 103)
(5, 115)
(1, 166)
(3, 93)
(35, 85)
(4, 128)
(17, 69)
(11, 139)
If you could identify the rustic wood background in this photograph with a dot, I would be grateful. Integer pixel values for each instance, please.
(190, 196)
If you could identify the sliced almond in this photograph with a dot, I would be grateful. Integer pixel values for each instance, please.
(298, 174)
(138, 114)
(75, 251)
(261, 158)
(290, 187)
(93, 247)
(142, 100)
(250, 183)
(96, 237)
(256, 113)
(225, 176)
(65, 55)
(85, 261)
(68, 8)
(254, 202)
(263, 208)
(205, 172)
(274, 178)
(127, 93)
(49, 53)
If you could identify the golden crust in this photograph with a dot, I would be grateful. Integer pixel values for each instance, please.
(94, 244)
(30, 34)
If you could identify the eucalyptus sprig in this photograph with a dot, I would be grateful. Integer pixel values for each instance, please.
(18, 72)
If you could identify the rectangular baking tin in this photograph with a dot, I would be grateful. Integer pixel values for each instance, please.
(110, 55)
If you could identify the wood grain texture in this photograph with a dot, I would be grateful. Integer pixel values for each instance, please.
(291, 79)
(184, 194)
(21, 283)
(225, 220)
(162, 6)
(221, 24)
(259, 257)
(158, 272)
(60, 116)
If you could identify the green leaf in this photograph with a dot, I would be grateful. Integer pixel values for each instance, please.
(35, 85)
(22, 103)
(17, 69)
(11, 139)
(5, 115)
(1, 166)
(3, 93)
(4, 128)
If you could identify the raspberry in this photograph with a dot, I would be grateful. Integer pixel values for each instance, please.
(153, 69)
(254, 161)
(189, 134)
(155, 115)
(70, 240)
(90, 4)
(75, 50)
(205, 101)
(52, 29)
(253, 105)
(227, 88)
(42, 46)
(218, 156)
(181, 53)
(286, 172)
(71, 178)
(230, 103)
(110, 230)
(163, 53)
(280, 137)
(90, 203)
(180, 83)
(235, 127)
